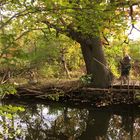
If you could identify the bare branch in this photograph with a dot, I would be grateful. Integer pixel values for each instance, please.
(137, 29)
(131, 15)
(132, 27)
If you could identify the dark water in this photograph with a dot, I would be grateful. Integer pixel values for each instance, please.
(55, 121)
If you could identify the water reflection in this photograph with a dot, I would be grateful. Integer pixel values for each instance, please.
(57, 122)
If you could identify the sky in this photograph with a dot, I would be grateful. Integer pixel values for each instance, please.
(135, 35)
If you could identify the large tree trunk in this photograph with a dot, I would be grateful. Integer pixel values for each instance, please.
(94, 59)
(95, 62)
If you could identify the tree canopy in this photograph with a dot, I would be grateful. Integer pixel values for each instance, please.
(27, 25)
(83, 15)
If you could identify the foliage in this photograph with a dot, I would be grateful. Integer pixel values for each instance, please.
(135, 50)
(101, 15)
(86, 79)
(10, 52)
(7, 89)
(53, 96)
(56, 96)
(32, 31)
(137, 95)
(47, 55)
(114, 54)
(9, 112)
(116, 51)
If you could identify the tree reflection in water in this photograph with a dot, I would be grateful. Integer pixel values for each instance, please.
(54, 122)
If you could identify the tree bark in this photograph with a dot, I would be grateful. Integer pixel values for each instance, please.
(94, 59)
(95, 62)
(93, 54)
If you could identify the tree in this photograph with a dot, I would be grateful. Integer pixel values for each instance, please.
(85, 21)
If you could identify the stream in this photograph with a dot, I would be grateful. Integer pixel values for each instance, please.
(35, 120)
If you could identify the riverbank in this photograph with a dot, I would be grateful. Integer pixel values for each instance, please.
(73, 91)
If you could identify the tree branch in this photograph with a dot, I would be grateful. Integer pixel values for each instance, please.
(19, 15)
(126, 3)
(136, 29)
(51, 25)
(106, 40)
(25, 32)
(14, 16)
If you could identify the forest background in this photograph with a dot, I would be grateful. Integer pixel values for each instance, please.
(34, 44)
